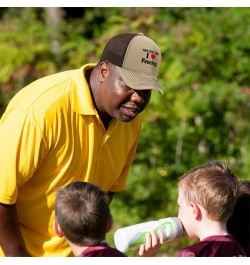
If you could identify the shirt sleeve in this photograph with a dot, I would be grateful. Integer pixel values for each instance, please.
(22, 150)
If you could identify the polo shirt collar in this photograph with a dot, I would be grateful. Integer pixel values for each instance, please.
(82, 97)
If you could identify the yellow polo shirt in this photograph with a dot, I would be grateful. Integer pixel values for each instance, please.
(51, 135)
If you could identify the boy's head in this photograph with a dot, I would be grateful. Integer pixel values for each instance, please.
(210, 190)
(82, 213)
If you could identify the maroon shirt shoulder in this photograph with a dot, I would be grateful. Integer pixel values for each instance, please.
(214, 246)
(102, 250)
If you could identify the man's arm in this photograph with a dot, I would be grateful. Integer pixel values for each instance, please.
(10, 237)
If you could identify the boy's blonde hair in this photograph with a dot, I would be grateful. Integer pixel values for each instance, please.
(214, 187)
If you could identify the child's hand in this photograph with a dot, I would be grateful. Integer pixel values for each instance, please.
(152, 244)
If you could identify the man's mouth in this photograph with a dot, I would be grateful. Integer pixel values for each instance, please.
(131, 111)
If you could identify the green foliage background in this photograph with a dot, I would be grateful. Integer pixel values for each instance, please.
(205, 74)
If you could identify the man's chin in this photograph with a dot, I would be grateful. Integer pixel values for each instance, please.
(128, 119)
(125, 118)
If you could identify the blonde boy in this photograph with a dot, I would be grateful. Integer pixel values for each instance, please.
(207, 195)
(206, 199)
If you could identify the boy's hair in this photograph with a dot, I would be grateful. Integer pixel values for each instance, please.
(238, 224)
(82, 211)
(214, 187)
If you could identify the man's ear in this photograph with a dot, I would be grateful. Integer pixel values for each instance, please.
(110, 223)
(57, 229)
(196, 210)
(103, 71)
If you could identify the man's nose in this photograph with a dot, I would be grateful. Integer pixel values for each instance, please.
(137, 97)
(141, 96)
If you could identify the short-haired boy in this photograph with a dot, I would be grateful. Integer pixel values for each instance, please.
(206, 199)
(82, 216)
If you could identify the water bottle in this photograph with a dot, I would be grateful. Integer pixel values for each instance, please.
(135, 235)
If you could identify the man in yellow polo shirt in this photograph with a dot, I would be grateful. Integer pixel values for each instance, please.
(78, 125)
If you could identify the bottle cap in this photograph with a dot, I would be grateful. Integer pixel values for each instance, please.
(121, 242)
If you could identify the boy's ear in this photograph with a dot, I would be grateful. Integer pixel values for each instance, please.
(110, 223)
(57, 229)
(196, 210)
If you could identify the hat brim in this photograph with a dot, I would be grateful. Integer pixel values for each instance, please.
(138, 80)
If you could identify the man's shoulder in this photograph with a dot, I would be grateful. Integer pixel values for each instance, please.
(44, 91)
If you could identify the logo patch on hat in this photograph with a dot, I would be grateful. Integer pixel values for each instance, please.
(150, 56)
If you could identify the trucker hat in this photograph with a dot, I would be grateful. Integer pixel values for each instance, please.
(137, 59)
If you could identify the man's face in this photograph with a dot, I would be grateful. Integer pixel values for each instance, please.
(120, 101)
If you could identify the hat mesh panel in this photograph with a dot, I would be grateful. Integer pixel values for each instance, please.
(116, 48)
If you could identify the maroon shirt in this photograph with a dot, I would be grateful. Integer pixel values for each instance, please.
(214, 246)
(102, 250)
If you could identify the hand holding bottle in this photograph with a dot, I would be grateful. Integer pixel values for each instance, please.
(153, 243)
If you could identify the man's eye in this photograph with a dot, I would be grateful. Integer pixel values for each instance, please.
(124, 86)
